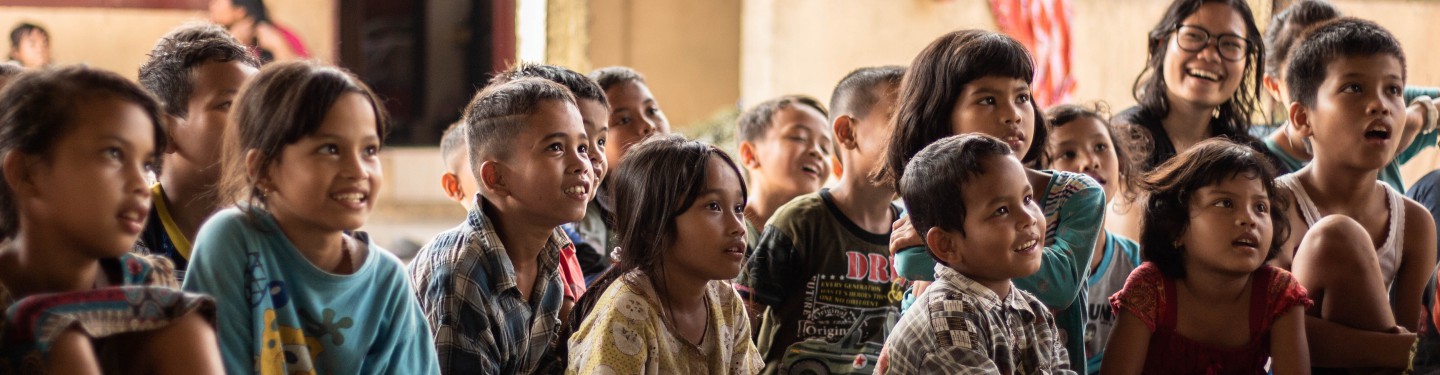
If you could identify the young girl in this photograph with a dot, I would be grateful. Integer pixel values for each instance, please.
(1205, 302)
(299, 289)
(974, 81)
(667, 307)
(1082, 141)
(77, 144)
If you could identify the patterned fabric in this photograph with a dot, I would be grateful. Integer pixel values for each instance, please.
(162, 237)
(961, 327)
(626, 333)
(1150, 296)
(1121, 257)
(482, 325)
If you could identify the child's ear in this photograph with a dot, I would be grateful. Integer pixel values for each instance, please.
(747, 155)
(943, 246)
(1272, 86)
(252, 169)
(450, 183)
(17, 173)
(844, 128)
(1300, 119)
(172, 122)
(492, 177)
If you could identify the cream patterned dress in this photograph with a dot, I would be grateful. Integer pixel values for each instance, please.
(625, 334)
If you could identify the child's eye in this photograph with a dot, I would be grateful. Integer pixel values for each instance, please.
(1395, 90)
(624, 120)
(115, 153)
(1067, 155)
(987, 101)
(554, 147)
(149, 165)
(1002, 211)
(740, 209)
(583, 149)
(1262, 208)
(713, 206)
(1350, 88)
(652, 111)
(1022, 98)
(372, 150)
(1101, 147)
(1225, 203)
(329, 149)
(600, 144)
(1028, 198)
(224, 106)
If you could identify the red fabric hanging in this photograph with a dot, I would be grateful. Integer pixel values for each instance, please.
(1043, 26)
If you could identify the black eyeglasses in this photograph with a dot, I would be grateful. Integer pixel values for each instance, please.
(1195, 39)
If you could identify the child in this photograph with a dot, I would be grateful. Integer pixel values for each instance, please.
(196, 71)
(785, 148)
(300, 289)
(974, 81)
(667, 307)
(827, 252)
(1346, 79)
(76, 144)
(973, 319)
(491, 287)
(458, 182)
(30, 46)
(1205, 302)
(1082, 141)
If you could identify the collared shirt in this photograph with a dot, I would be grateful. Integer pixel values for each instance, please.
(960, 327)
(467, 288)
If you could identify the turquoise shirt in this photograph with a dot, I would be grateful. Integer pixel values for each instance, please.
(278, 312)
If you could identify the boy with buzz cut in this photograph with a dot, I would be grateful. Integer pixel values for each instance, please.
(491, 288)
(785, 149)
(972, 319)
(457, 182)
(196, 71)
(818, 282)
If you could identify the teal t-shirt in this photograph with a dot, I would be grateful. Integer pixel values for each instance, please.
(1121, 257)
(278, 313)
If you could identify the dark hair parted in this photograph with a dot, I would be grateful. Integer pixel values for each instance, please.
(610, 76)
(753, 124)
(1330, 41)
(1061, 115)
(498, 113)
(1152, 94)
(38, 108)
(170, 71)
(934, 180)
(659, 180)
(287, 101)
(1287, 27)
(581, 86)
(934, 82)
(1170, 187)
(859, 91)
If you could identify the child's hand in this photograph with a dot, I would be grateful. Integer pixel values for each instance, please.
(903, 236)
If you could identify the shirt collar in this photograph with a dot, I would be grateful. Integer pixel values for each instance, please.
(1014, 300)
(486, 240)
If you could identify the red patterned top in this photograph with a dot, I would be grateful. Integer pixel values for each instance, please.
(1150, 296)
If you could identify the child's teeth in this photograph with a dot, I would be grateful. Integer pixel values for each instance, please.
(349, 197)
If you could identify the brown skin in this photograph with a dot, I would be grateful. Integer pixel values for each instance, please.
(192, 162)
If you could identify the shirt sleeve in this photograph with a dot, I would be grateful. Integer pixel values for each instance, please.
(744, 355)
(1143, 294)
(1285, 292)
(219, 268)
(1065, 263)
(769, 275)
(615, 337)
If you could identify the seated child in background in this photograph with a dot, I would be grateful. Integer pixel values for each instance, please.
(1346, 78)
(77, 144)
(299, 288)
(1083, 141)
(491, 287)
(196, 71)
(973, 319)
(827, 252)
(457, 181)
(668, 306)
(785, 148)
(1212, 219)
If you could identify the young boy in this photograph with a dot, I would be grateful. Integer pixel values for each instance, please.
(785, 148)
(1346, 79)
(827, 252)
(972, 319)
(457, 182)
(196, 71)
(490, 287)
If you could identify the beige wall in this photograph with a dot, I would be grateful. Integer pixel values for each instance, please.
(119, 39)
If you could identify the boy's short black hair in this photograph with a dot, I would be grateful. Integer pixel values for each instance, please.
(610, 76)
(1287, 27)
(858, 92)
(936, 177)
(452, 141)
(1166, 214)
(20, 30)
(1330, 41)
(170, 71)
(755, 122)
(497, 114)
(583, 87)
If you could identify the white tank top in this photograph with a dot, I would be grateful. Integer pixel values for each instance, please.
(1389, 253)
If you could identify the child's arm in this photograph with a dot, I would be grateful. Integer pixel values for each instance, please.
(1126, 350)
(1416, 264)
(1335, 345)
(1065, 264)
(1288, 352)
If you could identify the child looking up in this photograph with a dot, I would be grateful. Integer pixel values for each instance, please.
(785, 146)
(668, 307)
(1205, 302)
(299, 288)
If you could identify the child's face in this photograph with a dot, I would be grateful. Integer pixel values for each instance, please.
(634, 115)
(1083, 146)
(872, 133)
(548, 176)
(1004, 227)
(1230, 228)
(34, 49)
(999, 107)
(711, 229)
(597, 123)
(92, 189)
(1204, 78)
(195, 137)
(1359, 111)
(794, 153)
(329, 180)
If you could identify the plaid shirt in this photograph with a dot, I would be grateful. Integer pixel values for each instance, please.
(467, 288)
(960, 327)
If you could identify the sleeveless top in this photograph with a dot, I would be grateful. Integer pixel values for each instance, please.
(1389, 253)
